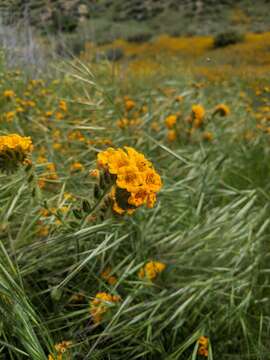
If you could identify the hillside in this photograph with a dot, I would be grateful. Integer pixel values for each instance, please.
(109, 19)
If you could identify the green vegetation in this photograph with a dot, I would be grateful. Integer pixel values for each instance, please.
(228, 38)
(210, 226)
(102, 21)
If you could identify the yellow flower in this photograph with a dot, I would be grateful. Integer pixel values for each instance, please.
(118, 160)
(170, 121)
(60, 348)
(129, 104)
(151, 270)
(138, 159)
(151, 200)
(171, 135)
(30, 103)
(59, 115)
(63, 346)
(203, 346)
(101, 304)
(203, 340)
(222, 110)
(14, 150)
(138, 198)
(208, 136)
(104, 157)
(122, 123)
(77, 166)
(57, 146)
(19, 109)
(62, 105)
(129, 178)
(10, 115)
(9, 94)
(106, 275)
(202, 351)
(198, 113)
(94, 173)
(152, 180)
(155, 126)
(134, 176)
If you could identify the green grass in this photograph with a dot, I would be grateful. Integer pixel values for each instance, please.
(210, 227)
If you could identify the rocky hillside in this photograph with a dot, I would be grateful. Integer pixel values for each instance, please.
(154, 16)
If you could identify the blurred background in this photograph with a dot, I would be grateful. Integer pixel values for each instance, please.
(35, 31)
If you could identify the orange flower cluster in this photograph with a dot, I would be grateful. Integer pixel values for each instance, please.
(60, 348)
(101, 304)
(170, 122)
(203, 346)
(198, 113)
(151, 270)
(14, 150)
(106, 275)
(136, 181)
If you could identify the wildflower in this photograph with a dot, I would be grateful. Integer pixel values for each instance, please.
(170, 121)
(203, 351)
(203, 340)
(77, 166)
(10, 115)
(198, 113)
(8, 94)
(203, 346)
(144, 109)
(94, 173)
(151, 270)
(129, 178)
(59, 115)
(207, 136)
(30, 103)
(155, 126)
(14, 150)
(51, 167)
(100, 305)
(48, 113)
(122, 123)
(62, 105)
(57, 146)
(129, 104)
(135, 180)
(19, 109)
(106, 275)
(43, 231)
(60, 349)
(222, 110)
(171, 135)
(63, 346)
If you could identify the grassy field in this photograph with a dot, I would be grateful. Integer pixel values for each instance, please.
(185, 279)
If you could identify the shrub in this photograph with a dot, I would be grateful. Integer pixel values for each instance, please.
(140, 37)
(228, 38)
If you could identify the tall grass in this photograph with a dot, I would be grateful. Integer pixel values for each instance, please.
(210, 227)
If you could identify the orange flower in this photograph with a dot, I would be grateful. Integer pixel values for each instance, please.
(171, 135)
(170, 121)
(151, 270)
